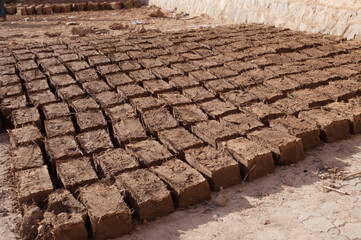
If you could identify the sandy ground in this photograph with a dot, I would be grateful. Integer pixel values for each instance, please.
(289, 204)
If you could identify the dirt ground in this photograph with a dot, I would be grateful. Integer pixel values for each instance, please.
(26, 29)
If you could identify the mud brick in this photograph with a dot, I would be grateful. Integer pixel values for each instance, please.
(86, 75)
(70, 92)
(107, 69)
(287, 149)
(187, 185)
(174, 99)
(316, 64)
(191, 56)
(142, 75)
(56, 70)
(218, 167)
(198, 94)
(129, 130)
(189, 114)
(148, 203)
(202, 76)
(75, 173)
(259, 75)
(69, 221)
(37, 86)
(68, 57)
(170, 59)
(184, 67)
(290, 106)
(147, 103)
(219, 86)
(244, 122)
(98, 60)
(345, 71)
(6, 80)
(118, 79)
(109, 99)
(179, 140)
(32, 75)
(118, 57)
(336, 92)
(157, 86)
(115, 161)
(238, 97)
(151, 63)
(26, 116)
(33, 185)
(242, 81)
(63, 80)
(59, 127)
(84, 104)
(26, 65)
(131, 91)
(11, 90)
(164, 72)
(319, 77)
(183, 82)
(266, 94)
(7, 60)
(95, 87)
(62, 52)
(56, 110)
(90, 120)
(307, 131)
(107, 222)
(25, 136)
(214, 132)
(351, 110)
(47, 62)
(204, 52)
(120, 112)
(84, 54)
(284, 84)
(77, 66)
(333, 125)
(26, 157)
(62, 148)
(263, 112)
(217, 108)
(311, 97)
(7, 70)
(127, 66)
(149, 152)
(159, 119)
(255, 160)
(157, 52)
(94, 141)
(24, 57)
(240, 66)
(206, 63)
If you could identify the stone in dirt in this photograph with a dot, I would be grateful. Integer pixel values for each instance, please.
(254, 159)
(109, 215)
(65, 218)
(115, 161)
(75, 173)
(80, 31)
(157, 13)
(218, 166)
(287, 148)
(33, 185)
(146, 192)
(188, 186)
